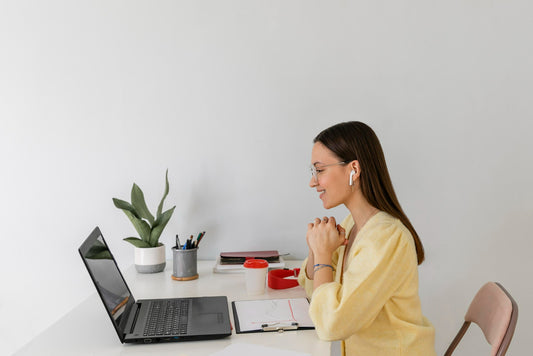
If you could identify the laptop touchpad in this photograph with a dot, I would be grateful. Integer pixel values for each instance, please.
(208, 316)
(206, 323)
(215, 318)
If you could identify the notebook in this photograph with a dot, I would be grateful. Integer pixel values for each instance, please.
(241, 256)
(150, 320)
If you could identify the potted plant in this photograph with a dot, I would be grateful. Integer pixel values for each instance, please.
(149, 253)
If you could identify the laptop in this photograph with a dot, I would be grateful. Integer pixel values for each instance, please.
(151, 320)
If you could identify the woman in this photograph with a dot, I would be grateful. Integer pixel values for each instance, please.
(362, 275)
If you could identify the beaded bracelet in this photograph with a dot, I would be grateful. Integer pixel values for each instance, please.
(319, 266)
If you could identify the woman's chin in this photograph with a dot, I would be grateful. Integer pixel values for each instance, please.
(329, 205)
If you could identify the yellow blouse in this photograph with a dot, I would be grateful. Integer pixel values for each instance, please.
(374, 305)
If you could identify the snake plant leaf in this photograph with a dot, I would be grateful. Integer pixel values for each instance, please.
(138, 202)
(137, 242)
(160, 208)
(140, 225)
(159, 226)
(124, 205)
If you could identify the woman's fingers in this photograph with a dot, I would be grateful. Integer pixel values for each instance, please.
(342, 234)
(325, 221)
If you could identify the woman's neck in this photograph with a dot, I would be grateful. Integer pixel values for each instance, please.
(361, 211)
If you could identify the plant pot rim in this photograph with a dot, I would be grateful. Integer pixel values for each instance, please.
(159, 245)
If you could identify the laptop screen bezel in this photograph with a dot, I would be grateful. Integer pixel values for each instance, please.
(83, 249)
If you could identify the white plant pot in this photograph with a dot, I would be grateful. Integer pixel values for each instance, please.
(150, 259)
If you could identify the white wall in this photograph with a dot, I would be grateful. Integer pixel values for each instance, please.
(228, 95)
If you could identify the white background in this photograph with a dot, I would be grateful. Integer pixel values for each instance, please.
(228, 96)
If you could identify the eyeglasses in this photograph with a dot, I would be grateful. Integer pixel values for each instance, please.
(316, 170)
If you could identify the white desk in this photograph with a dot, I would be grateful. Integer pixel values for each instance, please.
(87, 330)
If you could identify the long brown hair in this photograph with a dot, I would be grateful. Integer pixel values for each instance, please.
(355, 140)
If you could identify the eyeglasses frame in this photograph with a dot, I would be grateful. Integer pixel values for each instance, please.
(314, 172)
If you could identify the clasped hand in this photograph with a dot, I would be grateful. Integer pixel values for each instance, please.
(325, 236)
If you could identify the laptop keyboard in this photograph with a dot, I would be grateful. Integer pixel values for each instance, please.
(167, 317)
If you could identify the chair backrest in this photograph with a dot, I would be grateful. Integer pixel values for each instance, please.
(496, 313)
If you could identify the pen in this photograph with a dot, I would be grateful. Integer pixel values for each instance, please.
(178, 244)
(201, 236)
(190, 243)
(197, 240)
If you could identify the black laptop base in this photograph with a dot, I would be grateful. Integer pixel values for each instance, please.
(207, 322)
(201, 318)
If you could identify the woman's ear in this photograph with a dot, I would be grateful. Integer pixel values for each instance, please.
(354, 173)
(354, 165)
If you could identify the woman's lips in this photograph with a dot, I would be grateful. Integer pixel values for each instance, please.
(322, 195)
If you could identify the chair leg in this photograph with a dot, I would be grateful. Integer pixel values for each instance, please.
(457, 338)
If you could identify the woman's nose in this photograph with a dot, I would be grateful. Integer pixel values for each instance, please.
(313, 183)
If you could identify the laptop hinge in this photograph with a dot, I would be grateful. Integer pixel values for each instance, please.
(132, 320)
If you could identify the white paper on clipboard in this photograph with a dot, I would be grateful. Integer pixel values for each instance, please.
(252, 314)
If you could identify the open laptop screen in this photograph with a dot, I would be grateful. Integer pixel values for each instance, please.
(107, 278)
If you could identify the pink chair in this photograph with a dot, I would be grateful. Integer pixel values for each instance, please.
(495, 312)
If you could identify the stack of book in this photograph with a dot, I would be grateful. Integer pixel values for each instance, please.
(229, 262)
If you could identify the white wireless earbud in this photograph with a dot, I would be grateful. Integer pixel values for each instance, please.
(352, 173)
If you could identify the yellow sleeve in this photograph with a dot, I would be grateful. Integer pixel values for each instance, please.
(377, 268)
(303, 278)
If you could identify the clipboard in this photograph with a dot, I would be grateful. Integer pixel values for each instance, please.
(271, 315)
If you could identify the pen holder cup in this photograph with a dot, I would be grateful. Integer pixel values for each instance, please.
(184, 267)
